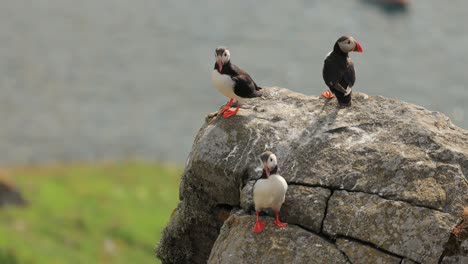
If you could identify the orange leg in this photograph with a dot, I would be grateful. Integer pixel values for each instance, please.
(229, 112)
(259, 225)
(278, 222)
(227, 106)
(328, 94)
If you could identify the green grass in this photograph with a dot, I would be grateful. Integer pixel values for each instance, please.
(105, 213)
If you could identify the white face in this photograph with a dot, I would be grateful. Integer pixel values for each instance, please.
(271, 162)
(347, 45)
(225, 57)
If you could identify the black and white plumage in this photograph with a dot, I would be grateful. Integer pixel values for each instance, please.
(232, 82)
(269, 191)
(338, 70)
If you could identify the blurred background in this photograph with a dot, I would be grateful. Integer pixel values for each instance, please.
(100, 101)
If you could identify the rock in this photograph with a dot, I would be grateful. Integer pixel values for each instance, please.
(455, 260)
(464, 247)
(398, 227)
(398, 157)
(407, 261)
(238, 244)
(360, 253)
(246, 197)
(10, 196)
(190, 234)
(305, 206)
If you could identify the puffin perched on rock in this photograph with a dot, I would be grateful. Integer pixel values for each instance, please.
(232, 82)
(338, 70)
(269, 191)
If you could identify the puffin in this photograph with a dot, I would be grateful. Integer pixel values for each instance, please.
(338, 70)
(269, 191)
(232, 82)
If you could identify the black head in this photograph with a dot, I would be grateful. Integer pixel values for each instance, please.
(223, 57)
(346, 44)
(269, 163)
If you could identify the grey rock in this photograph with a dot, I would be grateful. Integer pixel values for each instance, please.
(400, 152)
(464, 247)
(305, 206)
(398, 227)
(189, 230)
(246, 197)
(407, 261)
(360, 253)
(238, 244)
(455, 260)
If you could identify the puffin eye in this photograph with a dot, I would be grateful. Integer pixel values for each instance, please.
(349, 41)
(225, 54)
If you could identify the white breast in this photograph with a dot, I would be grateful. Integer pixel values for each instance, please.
(270, 193)
(223, 83)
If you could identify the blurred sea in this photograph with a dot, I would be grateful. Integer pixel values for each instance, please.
(113, 79)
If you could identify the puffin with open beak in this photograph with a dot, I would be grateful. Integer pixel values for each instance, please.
(232, 82)
(338, 70)
(269, 191)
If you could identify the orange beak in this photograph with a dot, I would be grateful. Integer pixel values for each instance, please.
(358, 47)
(219, 60)
(267, 172)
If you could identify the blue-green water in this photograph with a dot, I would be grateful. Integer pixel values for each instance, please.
(111, 79)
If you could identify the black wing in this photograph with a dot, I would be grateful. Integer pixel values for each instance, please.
(332, 72)
(350, 75)
(245, 87)
(240, 71)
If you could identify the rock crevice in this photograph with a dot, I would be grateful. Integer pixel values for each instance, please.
(326, 212)
(332, 189)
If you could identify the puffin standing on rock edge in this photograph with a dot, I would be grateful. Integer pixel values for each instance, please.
(338, 70)
(269, 191)
(232, 82)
